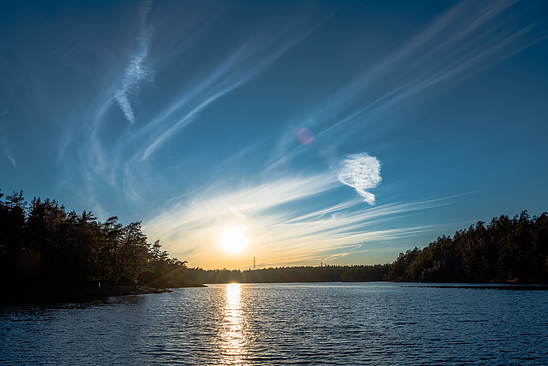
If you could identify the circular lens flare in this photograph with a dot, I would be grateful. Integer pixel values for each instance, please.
(305, 136)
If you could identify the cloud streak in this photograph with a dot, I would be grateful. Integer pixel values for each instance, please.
(476, 36)
(271, 214)
(244, 64)
(125, 164)
(4, 145)
(136, 71)
(12, 160)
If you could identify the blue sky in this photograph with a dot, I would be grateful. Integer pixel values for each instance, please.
(343, 132)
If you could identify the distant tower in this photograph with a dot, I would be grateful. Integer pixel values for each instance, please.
(254, 266)
(321, 264)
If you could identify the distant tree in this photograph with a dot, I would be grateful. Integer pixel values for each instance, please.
(328, 273)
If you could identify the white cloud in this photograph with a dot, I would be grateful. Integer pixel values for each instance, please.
(4, 145)
(361, 172)
(12, 160)
(136, 71)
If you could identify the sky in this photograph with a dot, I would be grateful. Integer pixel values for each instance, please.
(335, 132)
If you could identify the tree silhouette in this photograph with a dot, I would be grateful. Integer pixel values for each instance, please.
(40, 243)
(506, 250)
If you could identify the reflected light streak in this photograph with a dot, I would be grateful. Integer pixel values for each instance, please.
(233, 337)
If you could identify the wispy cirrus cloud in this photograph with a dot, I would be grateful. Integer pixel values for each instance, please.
(125, 163)
(476, 36)
(4, 145)
(271, 215)
(9, 156)
(136, 71)
(241, 203)
(241, 66)
(12, 160)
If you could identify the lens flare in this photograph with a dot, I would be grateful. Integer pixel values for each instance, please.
(305, 136)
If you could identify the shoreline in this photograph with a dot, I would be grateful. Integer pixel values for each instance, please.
(60, 294)
(66, 294)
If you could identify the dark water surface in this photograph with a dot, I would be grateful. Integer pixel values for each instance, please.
(333, 323)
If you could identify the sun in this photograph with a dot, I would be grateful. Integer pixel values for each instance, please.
(233, 240)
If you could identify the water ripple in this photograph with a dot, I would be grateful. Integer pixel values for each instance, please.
(256, 324)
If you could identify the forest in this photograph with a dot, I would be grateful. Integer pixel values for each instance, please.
(41, 244)
(327, 273)
(505, 250)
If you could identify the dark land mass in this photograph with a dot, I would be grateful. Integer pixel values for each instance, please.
(52, 294)
(507, 250)
(47, 253)
(328, 273)
(32, 294)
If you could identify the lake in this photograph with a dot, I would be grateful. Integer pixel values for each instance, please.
(324, 323)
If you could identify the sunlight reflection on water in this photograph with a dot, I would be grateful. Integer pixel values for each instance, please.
(233, 332)
(285, 324)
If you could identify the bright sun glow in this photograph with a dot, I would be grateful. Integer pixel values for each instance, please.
(233, 240)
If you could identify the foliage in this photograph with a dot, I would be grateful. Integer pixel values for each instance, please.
(290, 274)
(506, 250)
(40, 243)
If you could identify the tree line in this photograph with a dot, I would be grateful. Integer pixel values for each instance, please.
(505, 250)
(43, 244)
(328, 273)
